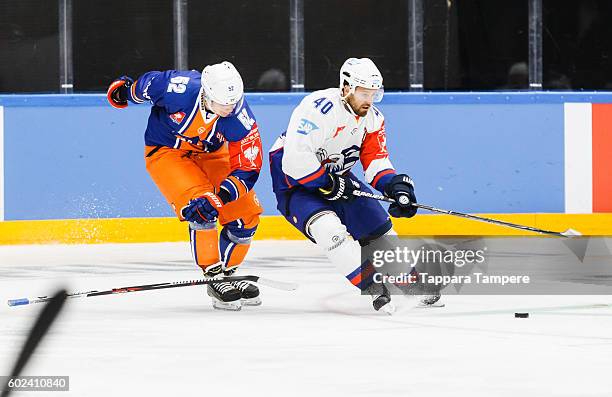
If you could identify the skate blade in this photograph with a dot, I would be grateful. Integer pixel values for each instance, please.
(389, 309)
(227, 306)
(424, 306)
(251, 302)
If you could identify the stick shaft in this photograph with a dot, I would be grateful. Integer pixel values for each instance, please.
(460, 214)
(488, 220)
(149, 287)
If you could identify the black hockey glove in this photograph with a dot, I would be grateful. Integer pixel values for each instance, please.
(401, 189)
(202, 209)
(339, 188)
(117, 94)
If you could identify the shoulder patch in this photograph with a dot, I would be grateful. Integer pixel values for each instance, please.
(306, 127)
(246, 120)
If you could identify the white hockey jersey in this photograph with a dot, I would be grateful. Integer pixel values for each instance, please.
(325, 136)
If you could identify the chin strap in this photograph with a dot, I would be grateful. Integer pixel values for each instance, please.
(347, 106)
(204, 102)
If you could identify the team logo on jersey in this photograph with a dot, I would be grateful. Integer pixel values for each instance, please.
(337, 162)
(338, 130)
(251, 154)
(306, 127)
(382, 141)
(250, 148)
(177, 117)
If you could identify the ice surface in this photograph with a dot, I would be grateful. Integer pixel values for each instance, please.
(323, 339)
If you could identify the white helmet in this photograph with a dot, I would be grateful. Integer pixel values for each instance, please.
(362, 72)
(222, 83)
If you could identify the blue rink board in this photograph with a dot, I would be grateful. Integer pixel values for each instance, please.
(75, 157)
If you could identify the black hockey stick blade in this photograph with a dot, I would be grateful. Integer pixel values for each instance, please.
(46, 317)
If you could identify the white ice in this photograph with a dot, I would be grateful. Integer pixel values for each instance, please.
(323, 339)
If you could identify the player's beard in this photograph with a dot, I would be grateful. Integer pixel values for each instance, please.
(360, 111)
(363, 110)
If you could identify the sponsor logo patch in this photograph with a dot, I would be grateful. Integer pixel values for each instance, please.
(306, 127)
(177, 117)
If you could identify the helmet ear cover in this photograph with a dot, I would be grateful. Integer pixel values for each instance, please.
(345, 83)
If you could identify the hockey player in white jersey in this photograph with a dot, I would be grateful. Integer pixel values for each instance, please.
(311, 163)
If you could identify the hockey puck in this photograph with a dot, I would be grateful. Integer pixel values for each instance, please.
(521, 315)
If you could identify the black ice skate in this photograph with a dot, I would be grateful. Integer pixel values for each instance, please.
(225, 296)
(430, 301)
(381, 299)
(249, 293)
(429, 294)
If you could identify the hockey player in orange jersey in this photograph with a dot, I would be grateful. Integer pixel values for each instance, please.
(203, 151)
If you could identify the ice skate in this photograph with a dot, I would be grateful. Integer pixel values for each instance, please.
(249, 293)
(381, 299)
(225, 296)
(430, 301)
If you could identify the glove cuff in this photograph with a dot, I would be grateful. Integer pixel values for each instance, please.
(224, 195)
(233, 187)
(110, 94)
(398, 179)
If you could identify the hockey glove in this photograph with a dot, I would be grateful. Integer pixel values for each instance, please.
(117, 93)
(202, 209)
(339, 188)
(401, 189)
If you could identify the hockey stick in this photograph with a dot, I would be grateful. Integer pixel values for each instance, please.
(566, 233)
(39, 330)
(282, 285)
